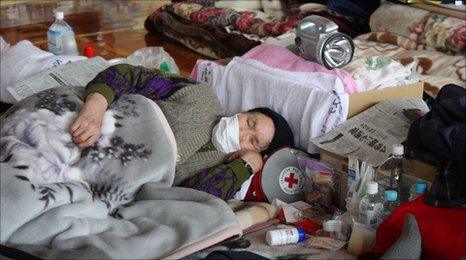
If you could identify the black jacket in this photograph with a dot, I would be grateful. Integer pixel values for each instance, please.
(439, 137)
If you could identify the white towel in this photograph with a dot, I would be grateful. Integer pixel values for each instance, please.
(378, 72)
(312, 103)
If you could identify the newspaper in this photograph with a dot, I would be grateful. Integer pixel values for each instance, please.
(77, 73)
(370, 135)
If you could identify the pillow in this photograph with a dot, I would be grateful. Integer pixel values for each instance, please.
(240, 5)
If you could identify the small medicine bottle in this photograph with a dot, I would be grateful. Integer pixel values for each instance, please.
(285, 236)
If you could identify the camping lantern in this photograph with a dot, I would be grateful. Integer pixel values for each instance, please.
(318, 39)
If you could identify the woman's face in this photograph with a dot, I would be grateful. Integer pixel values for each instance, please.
(256, 131)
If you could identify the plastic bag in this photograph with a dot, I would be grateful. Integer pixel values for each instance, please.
(153, 58)
(325, 242)
(319, 183)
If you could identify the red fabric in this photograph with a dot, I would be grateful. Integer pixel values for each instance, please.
(255, 192)
(443, 230)
(309, 225)
(281, 216)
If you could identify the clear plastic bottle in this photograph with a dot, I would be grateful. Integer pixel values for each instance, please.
(331, 229)
(60, 37)
(417, 190)
(389, 173)
(370, 206)
(390, 203)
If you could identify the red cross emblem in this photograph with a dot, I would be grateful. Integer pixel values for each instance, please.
(291, 180)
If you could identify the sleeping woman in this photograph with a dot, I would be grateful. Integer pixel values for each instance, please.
(216, 153)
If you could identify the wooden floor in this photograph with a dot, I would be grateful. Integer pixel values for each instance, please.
(115, 28)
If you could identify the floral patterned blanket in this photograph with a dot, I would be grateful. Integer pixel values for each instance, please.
(112, 200)
(206, 39)
(248, 22)
(413, 28)
(436, 43)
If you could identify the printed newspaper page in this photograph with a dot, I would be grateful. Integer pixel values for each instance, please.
(370, 135)
(77, 73)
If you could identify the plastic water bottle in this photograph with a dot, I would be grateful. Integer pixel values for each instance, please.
(417, 190)
(370, 206)
(389, 173)
(390, 203)
(60, 37)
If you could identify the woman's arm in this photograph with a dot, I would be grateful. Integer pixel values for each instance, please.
(109, 85)
(122, 79)
(225, 180)
(85, 130)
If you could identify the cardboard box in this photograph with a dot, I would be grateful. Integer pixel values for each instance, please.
(412, 170)
(361, 101)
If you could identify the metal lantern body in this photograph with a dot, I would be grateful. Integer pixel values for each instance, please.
(318, 39)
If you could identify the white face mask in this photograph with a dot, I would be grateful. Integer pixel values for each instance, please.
(225, 135)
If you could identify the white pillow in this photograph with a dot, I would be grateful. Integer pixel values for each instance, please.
(239, 5)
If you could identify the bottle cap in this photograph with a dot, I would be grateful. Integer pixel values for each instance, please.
(59, 15)
(390, 195)
(89, 50)
(301, 234)
(398, 149)
(164, 67)
(372, 187)
(421, 186)
(332, 226)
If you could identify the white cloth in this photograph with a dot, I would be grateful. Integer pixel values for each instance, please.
(273, 8)
(240, 5)
(243, 191)
(23, 60)
(378, 72)
(312, 103)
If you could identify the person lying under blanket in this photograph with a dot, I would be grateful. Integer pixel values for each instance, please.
(216, 153)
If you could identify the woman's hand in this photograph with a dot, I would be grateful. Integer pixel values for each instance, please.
(85, 130)
(253, 158)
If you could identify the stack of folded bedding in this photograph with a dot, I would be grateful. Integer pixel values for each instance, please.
(433, 43)
(205, 39)
(220, 29)
(207, 29)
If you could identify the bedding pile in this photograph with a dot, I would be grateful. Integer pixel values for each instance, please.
(219, 32)
(434, 43)
(205, 39)
(112, 200)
